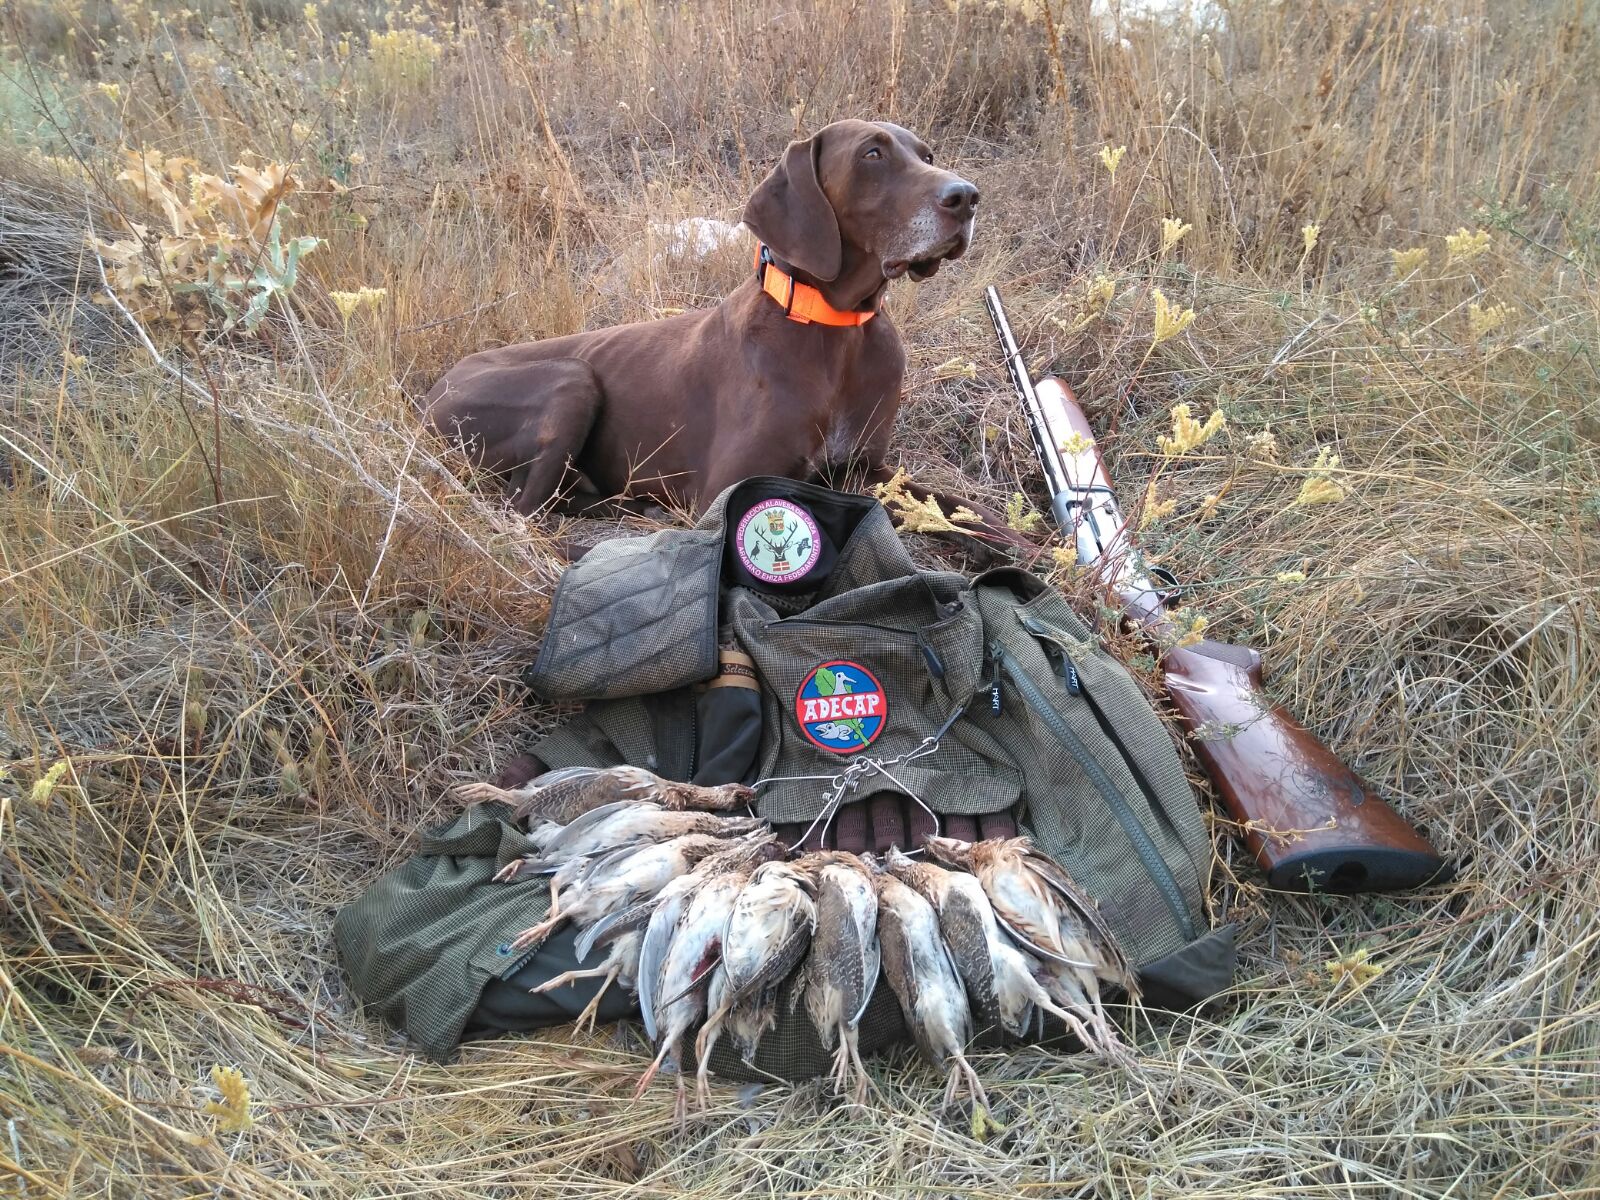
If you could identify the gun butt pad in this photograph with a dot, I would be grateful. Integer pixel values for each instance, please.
(1357, 869)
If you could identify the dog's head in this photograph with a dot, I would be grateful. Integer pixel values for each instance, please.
(868, 185)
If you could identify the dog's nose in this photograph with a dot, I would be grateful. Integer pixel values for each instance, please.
(959, 197)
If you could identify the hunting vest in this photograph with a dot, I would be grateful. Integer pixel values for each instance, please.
(789, 641)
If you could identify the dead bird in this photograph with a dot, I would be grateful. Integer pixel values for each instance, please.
(1054, 919)
(842, 972)
(999, 977)
(613, 881)
(768, 932)
(694, 949)
(929, 987)
(614, 826)
(561, 796)
(620, 966)
(660, 917)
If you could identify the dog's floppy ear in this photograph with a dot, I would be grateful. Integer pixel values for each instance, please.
(791, 214)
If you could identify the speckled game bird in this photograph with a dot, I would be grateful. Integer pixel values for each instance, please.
(929, 987)
(1040, 905)
(562, 795)
(613, 881)
(615, 826)
(694, 947)
(768, 932)
(999, 977)
(660, 918)
(840, 975)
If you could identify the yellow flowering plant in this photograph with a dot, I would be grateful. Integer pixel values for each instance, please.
(1189, 434)
(233, 1109)
(1319, 486)
(348, 302)
(1170, 322)
(1408, 262)
(1464, 245)
(1484, 320)
(1173, 231)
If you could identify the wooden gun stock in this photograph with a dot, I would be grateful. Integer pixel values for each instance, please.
(1305, 815)
(1309, 819)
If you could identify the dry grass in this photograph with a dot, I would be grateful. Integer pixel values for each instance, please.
(263, 624)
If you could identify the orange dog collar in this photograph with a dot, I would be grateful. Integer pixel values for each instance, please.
(801, 302)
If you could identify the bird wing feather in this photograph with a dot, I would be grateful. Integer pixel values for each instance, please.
(869, 980)
(966, 936)
(658, 933)
(775, 967)
(538, 788)
(1083, 905)
(562, 775)
(604, 861)
(1031, 944)
(585, 822)
(896, 961)
(612, 926)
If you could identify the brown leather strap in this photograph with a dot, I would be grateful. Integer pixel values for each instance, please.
(735, 669)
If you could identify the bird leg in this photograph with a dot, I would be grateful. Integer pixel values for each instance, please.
(847, 1062)
(983, 1123)
(1070, 1020)
(680, 1107)
(469, 793)
(535, 934)
(703, 1045)
(591, 1014)
(862, 1082)
(841, 1066)
(511, 870)
(654, 1068)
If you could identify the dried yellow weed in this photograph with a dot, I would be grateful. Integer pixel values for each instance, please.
(1170, 322)
(1319, 487)
(1465, 245)
(1173, 230)
(921, 516)
(1189, 434)
(233, 1110)
(1406, 262)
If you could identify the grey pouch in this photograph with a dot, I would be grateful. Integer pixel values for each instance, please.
(633, 616)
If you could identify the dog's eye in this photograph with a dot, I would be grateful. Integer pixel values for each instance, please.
(927, 157)
(873, 152)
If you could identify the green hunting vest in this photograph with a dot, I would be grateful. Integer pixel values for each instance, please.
(854, 656)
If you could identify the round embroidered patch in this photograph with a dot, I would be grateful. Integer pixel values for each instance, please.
(777, 541)
(841, 707)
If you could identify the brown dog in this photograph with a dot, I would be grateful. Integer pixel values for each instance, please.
(797, 373)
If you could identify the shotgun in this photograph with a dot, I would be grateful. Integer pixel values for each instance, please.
(1308, 819)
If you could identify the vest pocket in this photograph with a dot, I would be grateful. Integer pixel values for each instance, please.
(845, 699)
(1093, 764)
(1123, 713)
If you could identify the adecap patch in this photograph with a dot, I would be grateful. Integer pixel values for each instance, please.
(777, 541)
(841, 707)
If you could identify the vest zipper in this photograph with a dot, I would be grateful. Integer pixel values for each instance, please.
(930, 656)
(694, 738)
(1143, 846)
(1055, 646)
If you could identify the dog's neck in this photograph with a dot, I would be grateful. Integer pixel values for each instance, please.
(859, 286)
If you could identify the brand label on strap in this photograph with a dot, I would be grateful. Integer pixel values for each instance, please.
(841, 707)
(777, 541)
